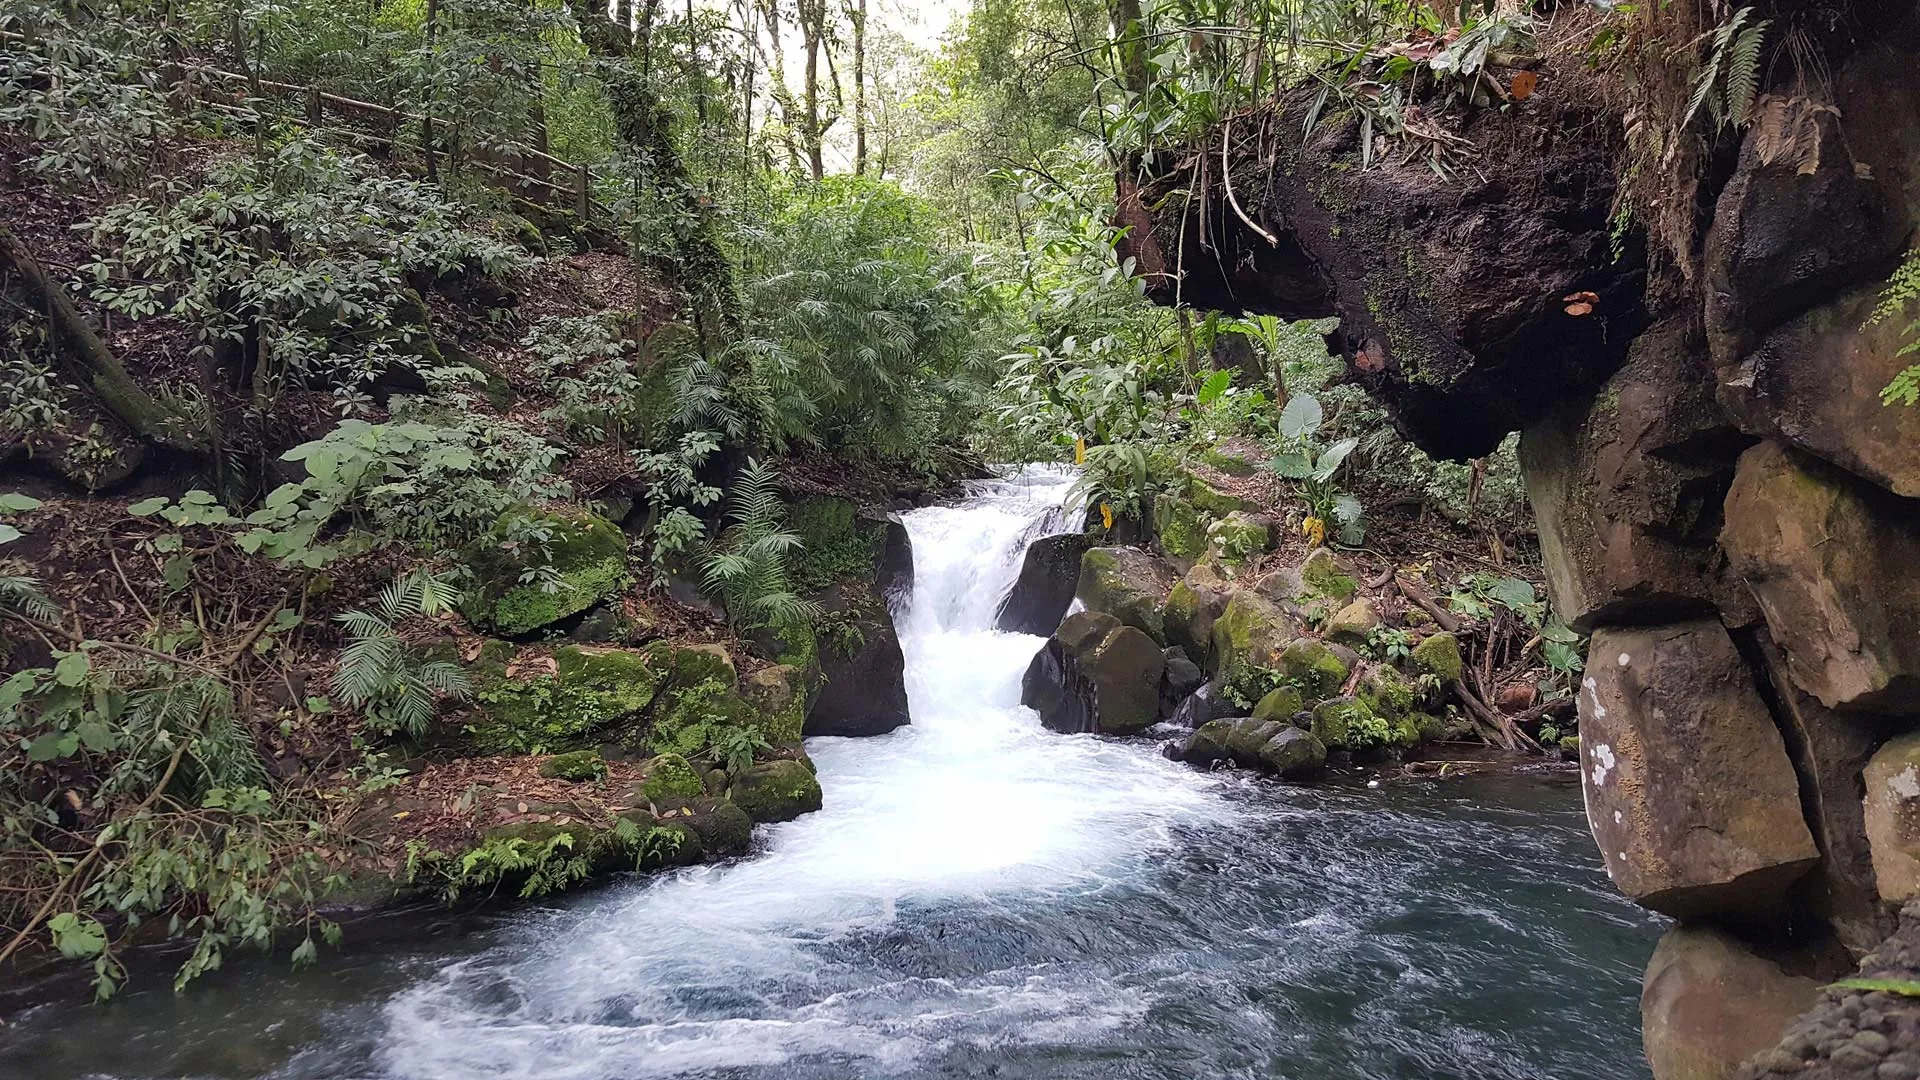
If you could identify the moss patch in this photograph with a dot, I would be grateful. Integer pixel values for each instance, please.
(579, 766)
(836, 544)
(588, 553)
(1180, 528)
(591, 693)
(1211, 499)
(1321, 573)
(669, 778)
(1439, 656)
(776, 791)
(1311, 666)
(1346, 723)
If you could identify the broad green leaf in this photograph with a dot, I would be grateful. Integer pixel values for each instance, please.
(1215, 385)
(71, 670)
(77, 936)
(1301, 417)
(1292, 466)
(1335, 457)
(148, 507)
(1511, 591)
(8, 534)
(13, 501)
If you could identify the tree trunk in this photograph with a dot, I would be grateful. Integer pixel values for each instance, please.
(790, 119)
(1130, 37)
(88, 360)
(859, 15)
(426, 111)
(813, 25)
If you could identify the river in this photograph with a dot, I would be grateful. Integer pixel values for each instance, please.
(979, 897)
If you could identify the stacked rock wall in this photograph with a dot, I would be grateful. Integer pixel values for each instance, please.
(1723, 501)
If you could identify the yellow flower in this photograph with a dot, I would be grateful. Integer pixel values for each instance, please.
(1315, 530)
(1079, 451)
(1106, 515)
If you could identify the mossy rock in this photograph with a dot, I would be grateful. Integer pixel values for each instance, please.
(778, 695)
(578, 766)
(835, 543)
(1353, 624)
(668, 779)
(593, 692)
(1188, 616)
(1128, 584)
(1180, 528)
(1387, 693)
(1345, 723)
(776, 791)
(589, 553)
(1210, 499)
(666, 842)
(1322, 574)
(1314, 668)
(723, 827)
(690, 716)
(1280, 704)
(1084, 630)
(1439, 656)
(1251, 632)
(1239, 537)
(1232, 458)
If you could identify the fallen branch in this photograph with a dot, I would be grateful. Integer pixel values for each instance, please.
(1441, 616)
(1507, 733)
(88, 360)
(1226, 173)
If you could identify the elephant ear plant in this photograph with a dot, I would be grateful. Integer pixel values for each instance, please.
(1313, 464)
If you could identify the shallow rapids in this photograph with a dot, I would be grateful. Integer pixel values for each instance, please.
(980, 897)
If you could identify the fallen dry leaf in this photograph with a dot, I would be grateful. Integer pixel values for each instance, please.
(1523, 84)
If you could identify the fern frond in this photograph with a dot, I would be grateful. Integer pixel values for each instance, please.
(1743, 72)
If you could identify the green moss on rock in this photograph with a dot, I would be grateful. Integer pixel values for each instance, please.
(778, 694)
(835, 543)
(588, 553)
(669, 778)
(776, 791)
(1387, 692)
(1210, 499)
(1279, 704)
(1322, 574)
(1126, 583)
(1239, 537)
(1439, 656)
(1251, 632)
(1346, 723)
(1314, 668)
(1180, 528)
(591, 693)
(578, 766)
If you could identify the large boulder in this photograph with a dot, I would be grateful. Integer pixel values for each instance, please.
(1125, 671)
(1709, 1003)
(1049, 573)
(1128, 584)
(1192, 605)
(1689, 792)
(1815, 382)
(1054, 688)
(1832, 561)
(1627, 487)
(778, 790)
(1892, 818)
(854, 565)
(1180, 528)
(1249, 636)
(584, 555)
(578, 697)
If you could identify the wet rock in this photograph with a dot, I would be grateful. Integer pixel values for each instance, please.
(1689, 792)
(1124, 670)
(1128, 584)
(863, 688)
(1179, 680)
(1347, 723)
(1892, 818)
(1627, 487)
(1054, 688)
(1709, 1002)
(1082, 630)
(1199, 708)
(1267, 745)
(1049, 573)
(776, 791)
(1831, 561)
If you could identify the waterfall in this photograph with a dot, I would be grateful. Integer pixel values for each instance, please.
(751, 964)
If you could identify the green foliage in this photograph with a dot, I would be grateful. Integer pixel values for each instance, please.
(396, 693)
(748, 567)
(1313, 465)
(1126, 477)
(182, 826)
(86, 91)
(1902, 290)
(1728, 82)
(1479, 593)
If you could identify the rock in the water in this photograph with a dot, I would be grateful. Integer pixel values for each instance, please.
(864, 686)
(1627, 486)
(1351, 625)
(1280, 704)
(1313, 667)
(1709, 1003)
(1831, 560)
(666, 780)
(1893, 818)
(1267, 745)
(1049, 573)
(1689, 792)
(1200, 708)
(1124, 670)
(778, 695)
(1179, 680)
(1347, 723)
(1054, 688)
(776, 791)
(1082, 630)
(1128, 584)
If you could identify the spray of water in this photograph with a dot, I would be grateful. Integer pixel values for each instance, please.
(804, 952)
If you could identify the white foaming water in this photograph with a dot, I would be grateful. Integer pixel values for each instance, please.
(772, 960)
